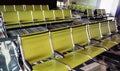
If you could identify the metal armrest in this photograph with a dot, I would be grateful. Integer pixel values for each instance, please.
(102, 47)
(105, 36)
(58, 54)
(77, 46)
(95, 40)
(29, 65)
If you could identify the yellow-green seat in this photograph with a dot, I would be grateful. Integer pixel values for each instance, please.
(80, 38)
(113, 30)
(74, 6)
(103, 12)
(37, 48)
(104, 28)
(90, 14)
(9, 8)
(59, 16)
(96, 33)
(67, 15)
(62, 43)
(45, 7)
(25, 18)
(49, 16)
(80, 35)
(99, 12)
(83, 8)
(19, 8)
(10, 22)
(2, 8)
(38, 17)
(29, 8)
(37, 7)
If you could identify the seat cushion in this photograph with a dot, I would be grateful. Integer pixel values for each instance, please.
(74, 59)
(50, 65)
(107, 43)
(116, 38)
(91, 51)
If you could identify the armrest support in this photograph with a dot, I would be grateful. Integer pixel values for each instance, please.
(58, 54)
(106, 36)
(77, 46)
(29, 65)
(95, 40)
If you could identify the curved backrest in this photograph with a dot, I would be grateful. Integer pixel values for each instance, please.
(45, 7)
(104, 28)
(2, 9)
(25, 16)
(36, 47)
(29, 8)
(49, 15)
(112, 26)
(9, 8)
(94, 31)
(61, 40)
(80, 35)
(67, 14)
(19, 8)
(37, 7)
(58, 14)
(10, 18)
(38, 16)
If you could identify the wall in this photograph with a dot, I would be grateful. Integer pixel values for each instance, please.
(51, 3)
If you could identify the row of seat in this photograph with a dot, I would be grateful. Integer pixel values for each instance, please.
(79, 7)
(98, 13)
(31, 18)
(65, 48)
(7, 8)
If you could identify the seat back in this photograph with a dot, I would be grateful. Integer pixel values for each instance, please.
(9, 8)
(103, 11)
(104, 28)
(94, 31)
(28, 7)
(37, 7)
(38, 16)
(90, 12)
(98, 12)
(61, 40)
(49, 15)
(19, 8)
(80, 35)
(25, 17)
(67, 14)
(36, 47)
(2, 8)
(58, 14)
(113, 26)
(10, 21)
(45, 7)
